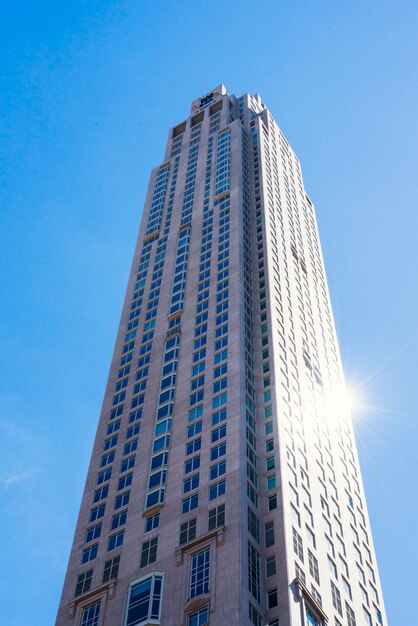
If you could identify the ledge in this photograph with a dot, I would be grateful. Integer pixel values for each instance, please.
(304, 593)
(107, 588)
(218, 534)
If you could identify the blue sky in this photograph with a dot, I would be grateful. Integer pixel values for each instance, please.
(89, 91)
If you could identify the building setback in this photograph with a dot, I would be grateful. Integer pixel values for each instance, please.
(224, 485)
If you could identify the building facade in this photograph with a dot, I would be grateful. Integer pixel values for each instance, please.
(224, 486)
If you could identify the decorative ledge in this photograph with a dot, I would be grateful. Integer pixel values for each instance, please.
(107, 589)
(305, 595)
(218, 534)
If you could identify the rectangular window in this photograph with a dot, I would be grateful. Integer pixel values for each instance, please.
(217, 451)
(199, 573)
(115, 540)
(93, 532)
(89, 553)
(313, 566)
(217, 470)
(118, 520)
(217, 490)
(90, 615)
(83, 582)
(271, 565)
(253, 524)
(152, 522)
(190, 503)
(253, 572)
(149, 552)
(111, 569)
(122, 500)
(97, 513)
(188, 531)
(336, 598)
(125, 481)
(216, 517)
(269, 534)
(101, 494)
(254, 616)
(199, 618)
(297, 544)
(272, 599)
(191, 483)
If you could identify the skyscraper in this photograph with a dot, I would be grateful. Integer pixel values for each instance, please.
(224, 486)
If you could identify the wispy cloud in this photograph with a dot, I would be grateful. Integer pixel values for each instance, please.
(11, 479)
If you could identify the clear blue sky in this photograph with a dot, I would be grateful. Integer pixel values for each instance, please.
(89, 90)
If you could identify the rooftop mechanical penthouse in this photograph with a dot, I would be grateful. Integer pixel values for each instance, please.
(224, 486)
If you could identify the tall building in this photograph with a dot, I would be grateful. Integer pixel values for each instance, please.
(224, 486)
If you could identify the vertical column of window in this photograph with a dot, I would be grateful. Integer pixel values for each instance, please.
(223, 163)
(180, 272)
(195, 425)
(217, 484)
(161, 444)
(157, 202)
(176, 145)
(170, 203)
(214, 122)
(189, 186)
(251, 446)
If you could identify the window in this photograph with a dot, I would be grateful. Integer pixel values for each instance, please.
(199, 618)
(149, 552)
(194, 445)
(254, 615)
(90, 616)
(271, 565)
(217, 470)
(253, 524)
(115, 540)
(102, 477)
(127, 463)
(312, 621)
(152, 522)
(125, 481)
(253, 571)
(89, 553)
(351, 618)
(217, 451)
(297, 544)
(188, 531)
(192, 464)
(97, 513)
(83, 582)
(122, 500)
(313, 566)
(216, 517)
(272, 600)
(194, 429)
(144, 600)
(336, 598)
(272, 502)
(199, 573)
(191, 483)
(101, 494)
(93, 532)
(218, 433)
(269, 534)
(190, 503)
(217, 490)
(111, 569)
